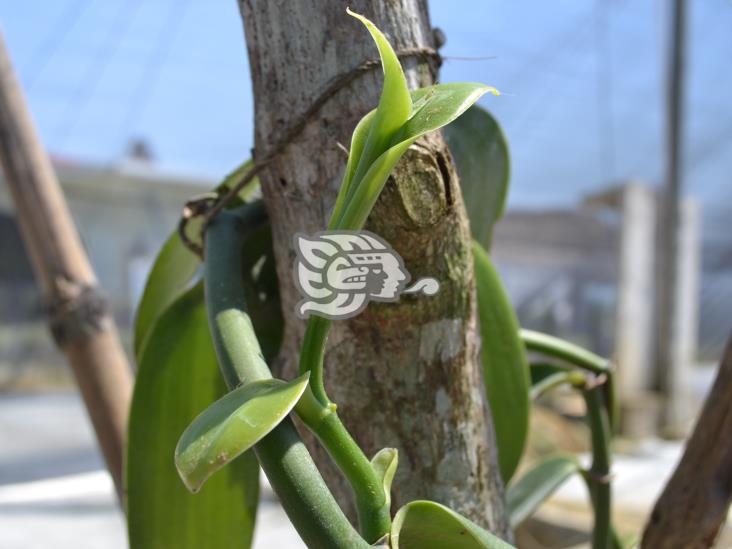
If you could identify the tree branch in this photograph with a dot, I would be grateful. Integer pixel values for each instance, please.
(694, 505)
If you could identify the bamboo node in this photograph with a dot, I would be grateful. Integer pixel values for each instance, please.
(76, 310)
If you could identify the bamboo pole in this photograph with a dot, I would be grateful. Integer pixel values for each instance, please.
(79, 316)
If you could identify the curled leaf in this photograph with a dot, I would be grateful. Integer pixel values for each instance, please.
(358, 141)
(385, 464)
(232, 425)
(438, 105)
(386, 133)
(395, 104)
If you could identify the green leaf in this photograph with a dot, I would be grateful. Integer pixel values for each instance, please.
(359, 206)
(480, 151)
(171, 273)
(395, 104)
(232, 425)
(385, 464)
(505, 368)
(358, 141)
(524, 496)
(429, 525)
(436, 106)
(175, 266)
(385, 134)
(177, 378)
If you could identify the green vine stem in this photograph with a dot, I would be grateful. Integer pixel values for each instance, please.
(564, 350)
(312, 354)
(577, 356)
(599, 396)
(283, 456)
(319, 414)
(574, 378)
(598, 477)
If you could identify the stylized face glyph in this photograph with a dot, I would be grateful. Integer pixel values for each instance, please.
(378, 274)
(343, 275)
(338, 273)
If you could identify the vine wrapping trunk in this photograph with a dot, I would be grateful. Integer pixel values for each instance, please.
(407, 375)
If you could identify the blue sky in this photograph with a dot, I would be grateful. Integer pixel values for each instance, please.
(582, 85)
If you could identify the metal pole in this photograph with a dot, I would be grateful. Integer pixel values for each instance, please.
(79, 317)
(668, 363)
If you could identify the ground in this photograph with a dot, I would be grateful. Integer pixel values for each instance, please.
(54, 491)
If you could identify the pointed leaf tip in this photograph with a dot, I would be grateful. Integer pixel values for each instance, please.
(232, 425)
(434, 107)
(385, 464)
(438, 105)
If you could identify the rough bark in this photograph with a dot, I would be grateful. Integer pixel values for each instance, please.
(693, 507)
(405, 375)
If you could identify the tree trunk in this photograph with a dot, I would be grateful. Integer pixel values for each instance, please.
(405, 375)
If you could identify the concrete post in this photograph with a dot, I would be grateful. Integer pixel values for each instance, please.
(634, 321)
(680, 408)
